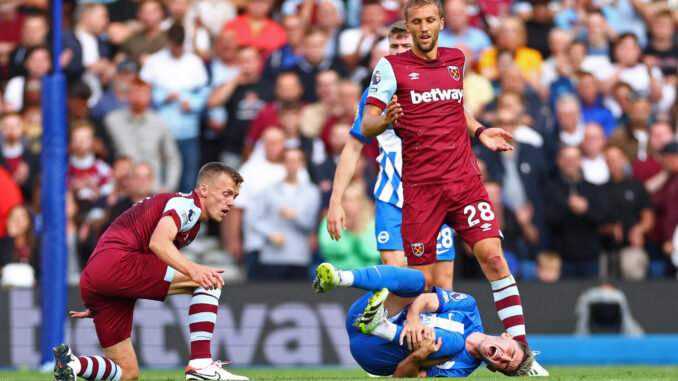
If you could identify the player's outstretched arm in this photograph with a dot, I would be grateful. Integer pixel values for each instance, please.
(375, 122)
(336, 217)
(162, 245)
(495, 139)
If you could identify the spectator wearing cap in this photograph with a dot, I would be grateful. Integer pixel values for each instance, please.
(141, 134)
(355, 44)
(457, 31)
(33, 33)
(116, 96)
(314, 62)
(627, 221)
(288, 55)
(255, 28)
(179, 82)
(242, 98)
(37, 64)
(150, 38)
(633, 138)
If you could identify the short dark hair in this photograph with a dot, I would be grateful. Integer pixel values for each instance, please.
(421, 3)
(176, 34)
(398, 29)
(209, 170)
(624, 36)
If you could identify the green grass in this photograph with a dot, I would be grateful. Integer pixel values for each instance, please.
(645, 373)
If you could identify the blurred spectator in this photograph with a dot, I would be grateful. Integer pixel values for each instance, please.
(313, 148)
(649, 170)
(457, 31)
(665, 201)
(313, 62)
(330, 19)
(196, 37)
(121, 170)
(89, 178)
(142, 135)
(515, 224)
(255, 28)
(74, 264)
(539, 112)
(323, 173)
(558, 48)
(212, 14)
(478, 91)
(511, 38)
(549, 266)
(569, 119)
(287, 56)
(117, 96)
(77, 95)
(355, 44)
(646, 81)
(88, 53)
(11, 21)
(285, 214)
(633, 138)
(662, 50)
(629, 218)
(262, 171)
(521, 174)
(574, 208)
(37, 64)
(22, 164)
(11, 197)
(141, 183)
(573, 16)
(179, 82)
(600, 34)
(539, 26)
(358, 245)
(33, 33)
(150, 38)
(33, 127)
(592, 106)
(242, 97)
(288, 91)
(593, 164)
(20, 245)
(314, 116)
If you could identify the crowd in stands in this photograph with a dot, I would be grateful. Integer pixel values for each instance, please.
(156, 88)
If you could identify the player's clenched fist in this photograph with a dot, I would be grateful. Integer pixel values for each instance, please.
(207, 277)
(393, 111)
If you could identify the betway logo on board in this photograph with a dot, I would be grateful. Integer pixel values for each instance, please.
(436, 95)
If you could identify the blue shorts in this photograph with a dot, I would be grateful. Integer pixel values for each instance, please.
(374, 354)
(388, 219)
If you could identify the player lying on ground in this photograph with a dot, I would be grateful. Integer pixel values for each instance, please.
(421, 94)
(138, 258)
(407, 333)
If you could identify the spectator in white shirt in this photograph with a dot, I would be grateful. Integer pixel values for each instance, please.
(593, 164)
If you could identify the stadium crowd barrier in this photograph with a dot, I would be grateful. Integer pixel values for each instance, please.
(286, 324)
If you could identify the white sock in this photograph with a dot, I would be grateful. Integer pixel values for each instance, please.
(385, 330)
(199, 363)
(346, 278)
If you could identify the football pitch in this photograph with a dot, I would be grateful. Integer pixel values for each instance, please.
(645, 373)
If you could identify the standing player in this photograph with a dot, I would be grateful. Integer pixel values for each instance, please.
(422, 92)
(388, 190)
(138, 258)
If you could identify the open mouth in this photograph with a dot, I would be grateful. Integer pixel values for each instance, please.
(425, 38)
(224, 211)
(491, 352)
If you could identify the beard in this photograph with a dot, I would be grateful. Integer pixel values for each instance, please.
(427, 48)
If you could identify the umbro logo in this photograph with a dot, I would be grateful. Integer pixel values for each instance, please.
(414, 76)
(486, 226)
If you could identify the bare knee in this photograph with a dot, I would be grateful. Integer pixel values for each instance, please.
(393, 258)
(492, 260)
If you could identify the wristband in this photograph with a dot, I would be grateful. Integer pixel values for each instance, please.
(479, 131)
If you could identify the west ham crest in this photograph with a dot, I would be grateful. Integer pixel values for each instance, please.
(418, 249)
(454, 72)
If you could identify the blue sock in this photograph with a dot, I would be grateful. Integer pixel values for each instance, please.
(401, 281)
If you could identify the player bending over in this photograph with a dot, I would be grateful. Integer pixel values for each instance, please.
(422, 91)
(436, 334)
(138, 258)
